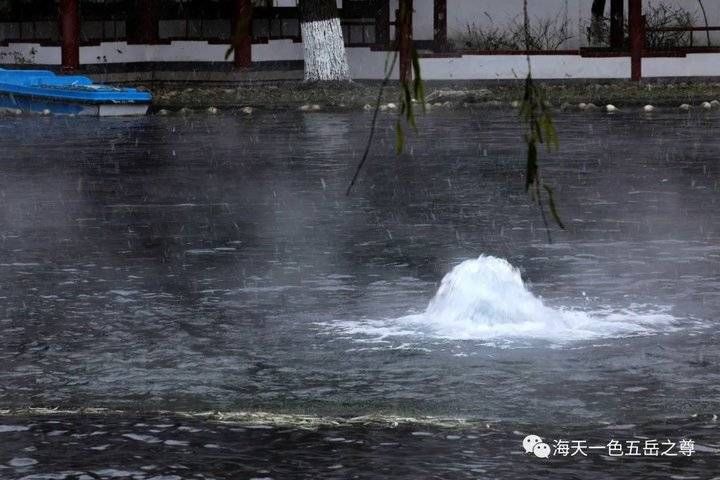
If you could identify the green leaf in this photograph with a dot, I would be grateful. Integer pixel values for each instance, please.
(408, 107)
(532, 166)
(553, 208)
(399, 138)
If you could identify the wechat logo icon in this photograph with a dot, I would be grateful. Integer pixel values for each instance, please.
(534, 444)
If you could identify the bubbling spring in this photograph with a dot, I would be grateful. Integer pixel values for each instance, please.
(486, 299)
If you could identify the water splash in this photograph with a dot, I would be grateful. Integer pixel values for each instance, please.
(486, 299)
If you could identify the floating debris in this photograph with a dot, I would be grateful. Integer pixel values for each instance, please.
(610, 108)
(685, 107)
(648, 108)
(212, 110)
(163, 112)
(706, 106)
(247, 110)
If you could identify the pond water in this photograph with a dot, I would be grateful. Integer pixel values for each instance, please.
(214, 263)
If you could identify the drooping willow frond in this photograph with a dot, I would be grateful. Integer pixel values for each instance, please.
(536, 115)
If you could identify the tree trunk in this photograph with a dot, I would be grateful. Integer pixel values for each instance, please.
(405, 39)
(325, 58)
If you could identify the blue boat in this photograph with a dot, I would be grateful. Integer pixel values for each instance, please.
(42, 91)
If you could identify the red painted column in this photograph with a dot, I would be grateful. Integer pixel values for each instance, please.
(148, 28)
(405, 39)
(637, 38)
(70, 35)
(242, 33)
(440, 25)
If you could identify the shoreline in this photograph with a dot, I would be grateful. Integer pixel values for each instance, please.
(283, 96)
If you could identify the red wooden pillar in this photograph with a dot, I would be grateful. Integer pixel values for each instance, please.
(405, 39)
(242, 33)
(440, 25)
(70, 35)
(637, 38)
(147, 17)
(617, 23)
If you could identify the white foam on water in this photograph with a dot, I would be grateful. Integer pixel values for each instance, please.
(142, 438)
(22, 462)
(485, 299)
(13, 428)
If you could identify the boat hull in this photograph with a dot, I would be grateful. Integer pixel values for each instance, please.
(43, 92)
(121, 110)
(11, 103)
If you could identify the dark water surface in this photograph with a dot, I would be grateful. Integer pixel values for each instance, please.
(201, 263)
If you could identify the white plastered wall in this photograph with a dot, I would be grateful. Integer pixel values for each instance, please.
(368, 64)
